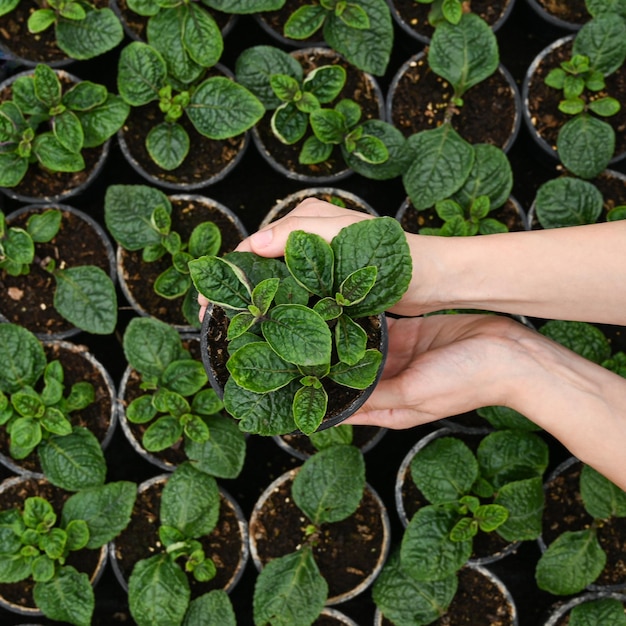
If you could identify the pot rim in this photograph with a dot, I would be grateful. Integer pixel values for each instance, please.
(286, 41)
(228, 499)
(98, 229)
(93, 579)
(506, 74)
(559, 609)
(385, 539)
(14, 465)
(120, 253)
(552, 19)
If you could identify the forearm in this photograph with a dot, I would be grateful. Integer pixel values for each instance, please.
(580, 403)
(575, 273)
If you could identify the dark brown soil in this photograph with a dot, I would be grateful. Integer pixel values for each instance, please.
(573, 11)
(38, 48)
(96, 417)
(207, 157)
(339, 397)
(140, 540)
(478, 602)
(412, 220)
(359, 87)
(30, 298)
(421, 101)
(13, 497)
(564, 511)
(543, 101)
(140, 276)
(415, 14)
(346, 552)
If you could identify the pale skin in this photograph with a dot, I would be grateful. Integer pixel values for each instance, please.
(444, 365)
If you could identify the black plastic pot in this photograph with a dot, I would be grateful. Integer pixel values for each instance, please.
(559, 610)
(551, 19)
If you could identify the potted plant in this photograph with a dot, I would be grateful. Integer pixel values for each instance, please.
(54, 286)
(361, 31)
(157, 236)
(176, 114)
(318, 291)
(468, 504)
(41, 409)
(306, 140)
(589, 534)
(53, 125)
(572, 96)
(58, 32)
(457, 81)
(589, 608)
(169, 410)
(46, 537)
(308, 562)
(186, 538)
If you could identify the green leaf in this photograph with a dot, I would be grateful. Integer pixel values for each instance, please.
(158, 591)
(286, 88)
(599, 610)
(370, 149)
(55, 422)
(585, 145)
(288, 123)
(357, 285)
(256, 367)
(185, 377)
(42, 568)
(102, 122)
(353, 16)
(427, 553)
(581, 337)
(491, 516)
(77, 534)
(84, 96)
(404, 600)
(305, 21)
(42, 227)
(6, 6)
(205, 239)
(298, 335)
(220, 108)
(602, 39)
(567, 201)
(329, 486)
(151, 345)
(202, 37)
(310, 260)
(223, 454)
(524, 500)
(211, 609)
(86, 297)
(221, 282)
(141, 73)
(380, 243)
(55, 156)
(360, 375)
(325, 82)
(12, 169)
(40, 20)
(571, 562)
(328, 125)
(162, 434)
(368, 49)
(74, 461)
(68, 597)
(350, 340)
(98, 33)
(290, 591)
(444, 470)
(106, 510)
(602, 498)
(444, 163)
(309, 408)
(168, 145)
(464, 54)
(47, 85)
(314, 151)
(190, 501)
(605, 107)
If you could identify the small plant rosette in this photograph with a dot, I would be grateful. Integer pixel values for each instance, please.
(91, 284)
(507, 597)
(368, 577)
(226, 500)
(596, 607)
(340, 197)
(31, 610)
(314, 174)
(14, 464)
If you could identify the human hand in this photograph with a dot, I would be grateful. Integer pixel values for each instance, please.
(445, 365)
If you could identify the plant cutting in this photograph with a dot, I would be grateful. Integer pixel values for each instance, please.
(315, 559)
(176, 566)
(46, 120)
(577, 557)
(83, 295)
(81, 30)
(216, 107)
(361, 31)
(293, 325)
(371, 147)
(142, 219)
(177, 405)
(37, 413)
(462, 494)
(39, 538)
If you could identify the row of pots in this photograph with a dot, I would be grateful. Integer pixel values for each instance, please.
(403, 99)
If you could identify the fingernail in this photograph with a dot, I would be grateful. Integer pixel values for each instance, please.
(262, 238)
